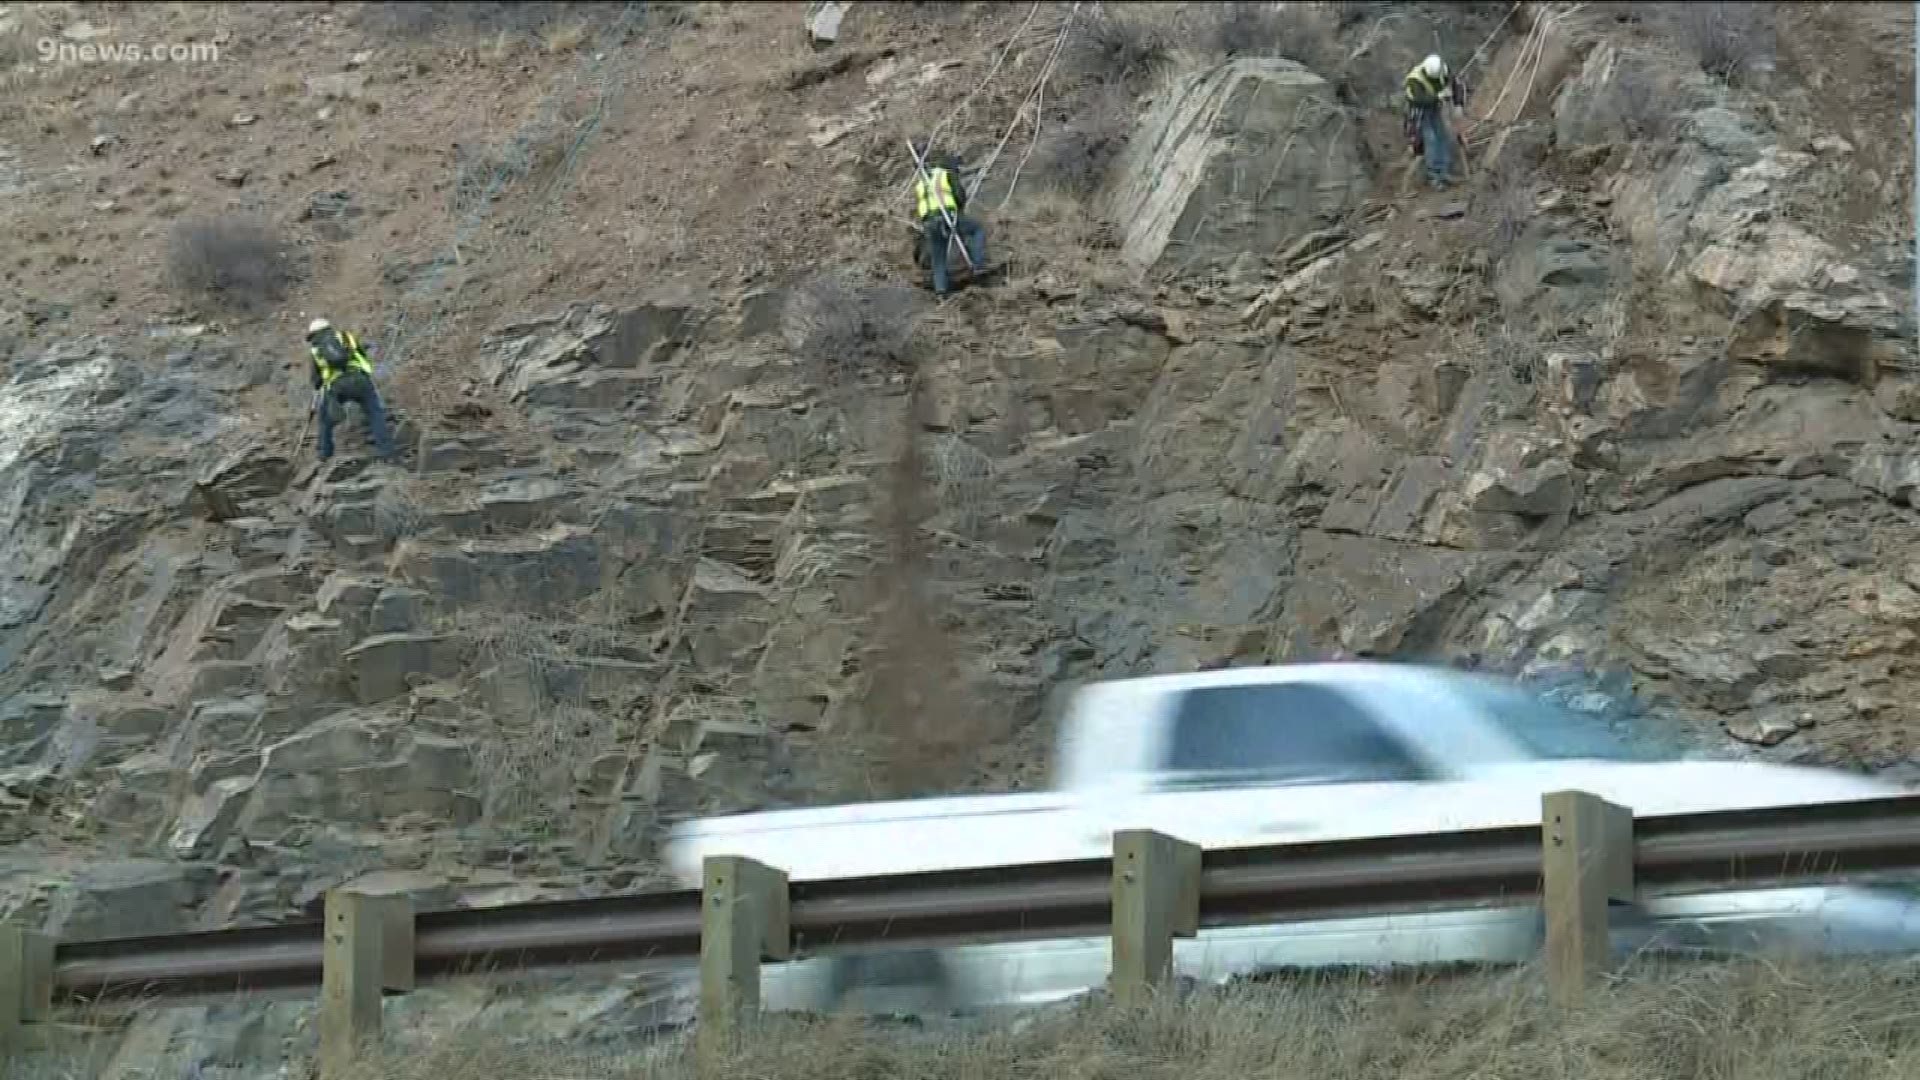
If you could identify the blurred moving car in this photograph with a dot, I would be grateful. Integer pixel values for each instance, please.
(1291, 753)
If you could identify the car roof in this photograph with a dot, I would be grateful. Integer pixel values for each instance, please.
(1326, 673)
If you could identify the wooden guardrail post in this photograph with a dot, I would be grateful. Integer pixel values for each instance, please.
(744, 921)
(368, 950)
(26, 985)
(1156, 898)
(1586, 863)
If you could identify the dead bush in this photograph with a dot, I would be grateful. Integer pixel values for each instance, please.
(961, 478)
(532, 759)
(1300, 32)
(842, 327)
(1726, 37)
(1513, 354)
(241, 262)
(1078, 154)
(397, 512)
(1112, 47)
(1641, 102)
(1633, 102)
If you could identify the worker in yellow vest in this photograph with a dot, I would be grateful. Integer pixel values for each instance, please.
(1429, 86)
(342, 373)
(939, 194)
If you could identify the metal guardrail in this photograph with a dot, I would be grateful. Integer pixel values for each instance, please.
(1238, 886)
(1583, 855)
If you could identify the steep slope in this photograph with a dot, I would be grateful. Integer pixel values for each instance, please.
(706, 506)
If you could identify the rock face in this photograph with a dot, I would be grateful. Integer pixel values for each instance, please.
(700, 562)
(123, 899)
(1248, 155)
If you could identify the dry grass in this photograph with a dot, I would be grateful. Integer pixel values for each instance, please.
(1306, 33)
(1078, 156)
(239, 262)
(1514, 356)
(565, 37)
(1114, 45)
(1636, 98)
(532, 759)
(1750, 1021)
(841, 328)
(1708, 591)
(1700, 590)
(398, 509)
(1727, 38)
(1644, 105)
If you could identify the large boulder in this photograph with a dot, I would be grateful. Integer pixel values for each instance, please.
(1366, 595)
(1802, 305)
(537, 572)
(383, 666)
(131, 898)
(244, 474)
(1245, 156)
(587, 357)
(357, 768)
(41, 406)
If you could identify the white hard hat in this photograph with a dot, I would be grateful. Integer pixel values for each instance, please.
(318, 325)
(1433, 66)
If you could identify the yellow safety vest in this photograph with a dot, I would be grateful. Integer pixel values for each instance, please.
(358, 360)
(1418, 76)
(934, 193)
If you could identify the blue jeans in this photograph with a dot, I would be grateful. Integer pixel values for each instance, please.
(357, 387)
(1439, 144)
(938, 241)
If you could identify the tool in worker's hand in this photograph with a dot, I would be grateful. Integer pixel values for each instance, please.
(953, 229)
(318, 403)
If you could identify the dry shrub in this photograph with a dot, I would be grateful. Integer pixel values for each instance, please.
(241, 262)
(529, 761)
(1077, 156)
(397, 509)
(1301, 32)
(1083, 244)
(1513, 353)
(1727, 37)
(962, 479)
(1637, 96)
(1116, 46)
(841, 327)
(1743, 1021)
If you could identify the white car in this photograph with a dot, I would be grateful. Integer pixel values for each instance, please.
(1293, 753)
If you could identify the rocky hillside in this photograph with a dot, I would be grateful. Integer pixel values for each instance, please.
(706, 504)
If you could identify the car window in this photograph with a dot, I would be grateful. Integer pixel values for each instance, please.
(1554, 732)
(1290, 733)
